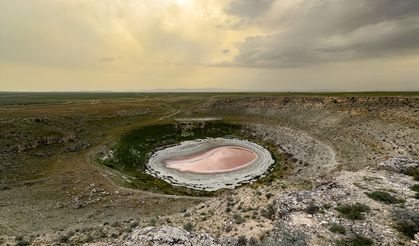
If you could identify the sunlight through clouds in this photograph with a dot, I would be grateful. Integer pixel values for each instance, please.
(138, 45)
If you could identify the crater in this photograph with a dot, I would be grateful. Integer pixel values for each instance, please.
(190, 157)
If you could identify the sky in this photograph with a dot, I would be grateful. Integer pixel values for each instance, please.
(241, 45)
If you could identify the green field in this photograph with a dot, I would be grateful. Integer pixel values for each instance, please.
(34, 98)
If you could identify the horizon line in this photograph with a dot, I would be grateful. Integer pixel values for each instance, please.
(209, 91)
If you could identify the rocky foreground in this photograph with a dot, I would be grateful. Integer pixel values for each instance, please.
(367, 207)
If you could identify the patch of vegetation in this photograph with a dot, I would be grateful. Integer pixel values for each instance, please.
(23, 243)
(63, 239)
(88, 239)
(269, 212)
(353, 211)
(415, 187)
(152, 222)
(242, 241)
(370, 179)
(407, 221)
(414, 172)
(383, 196)
(286, 237)
(188, 226)
(229, 228)
(238, 219)
(133, 224)
(253, 241)
(277, 170)
(355, 241)
(20, 241)
(336, 228)
(312, 209)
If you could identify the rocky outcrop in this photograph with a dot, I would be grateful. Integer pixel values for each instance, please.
(314, 211)
(46, 140)
(399, 164)
(168, 236)
(77, 146)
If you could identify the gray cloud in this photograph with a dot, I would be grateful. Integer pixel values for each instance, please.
(334, 30)
(248, 8)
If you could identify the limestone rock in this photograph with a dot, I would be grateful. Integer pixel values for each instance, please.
(166, 236)
(399, 164)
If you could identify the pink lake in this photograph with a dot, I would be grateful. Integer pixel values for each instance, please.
(216, 160)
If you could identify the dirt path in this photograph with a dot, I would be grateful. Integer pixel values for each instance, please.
(177, 111)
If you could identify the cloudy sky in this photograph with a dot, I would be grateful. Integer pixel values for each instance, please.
(264, 45)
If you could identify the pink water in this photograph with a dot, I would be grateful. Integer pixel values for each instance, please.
(216, 160)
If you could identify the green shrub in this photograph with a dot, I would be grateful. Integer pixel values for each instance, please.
(327, 206)
(353, 211)
(384, 197)
(414, 172)
(238, 219)
(287, 237)
(336, 228)
(188, 226)
(407, 221)
(242, 241)
(269, 212)
(88, 239)
(355, 241)
(228, 228)
(20, 241)
(312, 209)
(415, 187)
(133, 224)
(23, 243)
(253, 241)
(152, 222)
(63, 239)
(255, 214)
